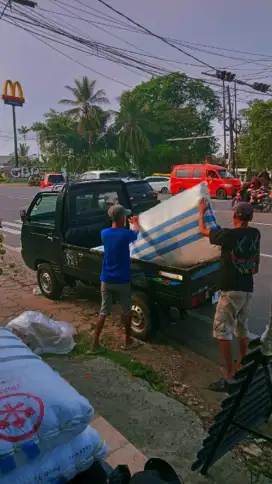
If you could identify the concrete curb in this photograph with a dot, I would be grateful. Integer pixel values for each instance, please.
(121, 451)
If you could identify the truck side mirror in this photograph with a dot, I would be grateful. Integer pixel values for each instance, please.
(23, 215)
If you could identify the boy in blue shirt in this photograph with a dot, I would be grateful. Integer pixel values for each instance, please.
(115, 275)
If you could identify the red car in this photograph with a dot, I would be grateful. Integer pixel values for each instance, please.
(51, 179)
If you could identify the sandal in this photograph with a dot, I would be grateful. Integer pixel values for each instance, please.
(218, 386)
(135, 344)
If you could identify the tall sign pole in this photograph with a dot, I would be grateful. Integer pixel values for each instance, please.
(13, 96)
(15, 137)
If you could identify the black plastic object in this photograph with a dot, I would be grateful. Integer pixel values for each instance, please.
(248, 405)
(164, 470)
(120, 475)
(98, 473)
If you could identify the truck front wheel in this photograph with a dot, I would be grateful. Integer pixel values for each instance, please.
(142, 324)
(48, 283)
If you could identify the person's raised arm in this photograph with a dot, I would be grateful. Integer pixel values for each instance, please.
(203, 207)
(134, 221)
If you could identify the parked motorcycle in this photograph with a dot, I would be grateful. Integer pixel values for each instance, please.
(263, 201)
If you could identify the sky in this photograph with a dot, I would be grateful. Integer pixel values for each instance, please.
(243, 25)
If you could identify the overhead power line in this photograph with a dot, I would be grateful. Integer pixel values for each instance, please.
(4, 9)
(163, 39)
(56, 33)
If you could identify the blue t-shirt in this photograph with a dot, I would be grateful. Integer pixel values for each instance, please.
(116, 262)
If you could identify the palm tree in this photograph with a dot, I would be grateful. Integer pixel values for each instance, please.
(134, 126)
(23, 131)
(86, 105)
(23, 151)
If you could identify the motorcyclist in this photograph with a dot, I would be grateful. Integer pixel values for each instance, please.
(249, 187)
(263, 180)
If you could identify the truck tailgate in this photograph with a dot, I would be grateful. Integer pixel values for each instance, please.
(203, 282)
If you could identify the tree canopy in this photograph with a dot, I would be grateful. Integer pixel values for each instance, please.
(255, 142)
(88, 136)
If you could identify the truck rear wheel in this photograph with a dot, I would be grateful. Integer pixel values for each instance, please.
(48, 283)
(142, 325)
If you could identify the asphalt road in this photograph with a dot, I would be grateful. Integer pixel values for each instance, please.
(195, 330)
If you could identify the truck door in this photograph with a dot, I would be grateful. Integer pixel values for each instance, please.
(213, 181)
(40, 240)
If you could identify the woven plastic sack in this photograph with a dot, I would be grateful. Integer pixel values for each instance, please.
(169, 232)
(39, 410)
(42, 334)
(63, 463)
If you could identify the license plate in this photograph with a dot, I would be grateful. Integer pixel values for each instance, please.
(215, 297)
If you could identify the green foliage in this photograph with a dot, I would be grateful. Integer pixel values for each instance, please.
(84, 137)
(167, 107)
(255, 141)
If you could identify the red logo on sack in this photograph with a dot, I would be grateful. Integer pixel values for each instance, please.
(21, 415)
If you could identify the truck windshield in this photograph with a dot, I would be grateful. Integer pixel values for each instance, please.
(225, 174)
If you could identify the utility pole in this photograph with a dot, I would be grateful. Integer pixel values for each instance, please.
(235, 123)
(15, 137)
(224, 119)
(231, 141)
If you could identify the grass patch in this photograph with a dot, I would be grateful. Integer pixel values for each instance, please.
(135, 368)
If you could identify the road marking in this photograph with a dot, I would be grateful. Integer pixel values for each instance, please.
(266, 255)
(12, 224)
(19, 222)
(9, 231)
(8, 196)
(261, 223)
(16, 249)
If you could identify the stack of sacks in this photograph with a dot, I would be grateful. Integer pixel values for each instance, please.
(44, 423)
(169, 232)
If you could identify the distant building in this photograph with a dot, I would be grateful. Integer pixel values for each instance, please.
(5, 163)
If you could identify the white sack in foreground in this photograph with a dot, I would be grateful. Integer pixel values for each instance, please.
(42, 334)
(169, 232)
(39, 410)
(61, 464)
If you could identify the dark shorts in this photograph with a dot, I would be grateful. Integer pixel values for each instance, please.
(120, 292)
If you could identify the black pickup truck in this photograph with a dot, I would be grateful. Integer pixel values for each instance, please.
(60, 239)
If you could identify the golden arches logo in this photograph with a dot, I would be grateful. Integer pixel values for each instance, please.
(13, 93)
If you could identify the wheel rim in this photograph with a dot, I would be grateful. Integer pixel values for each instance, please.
(138, 321)
(266, 205)
(164, 190)
(221, 194)
(46, 282)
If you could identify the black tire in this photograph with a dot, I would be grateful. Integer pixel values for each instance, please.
(266, 205)
(181, 190)
(164, 190)
(221, 194)
(48, 283)
(142, 325)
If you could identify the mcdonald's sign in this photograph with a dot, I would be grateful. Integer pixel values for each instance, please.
(13, 93)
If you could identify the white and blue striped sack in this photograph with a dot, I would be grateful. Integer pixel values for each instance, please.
(169, 232)
(39, 410)
(63, 463)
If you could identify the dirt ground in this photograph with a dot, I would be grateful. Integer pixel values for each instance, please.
(186, 374)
